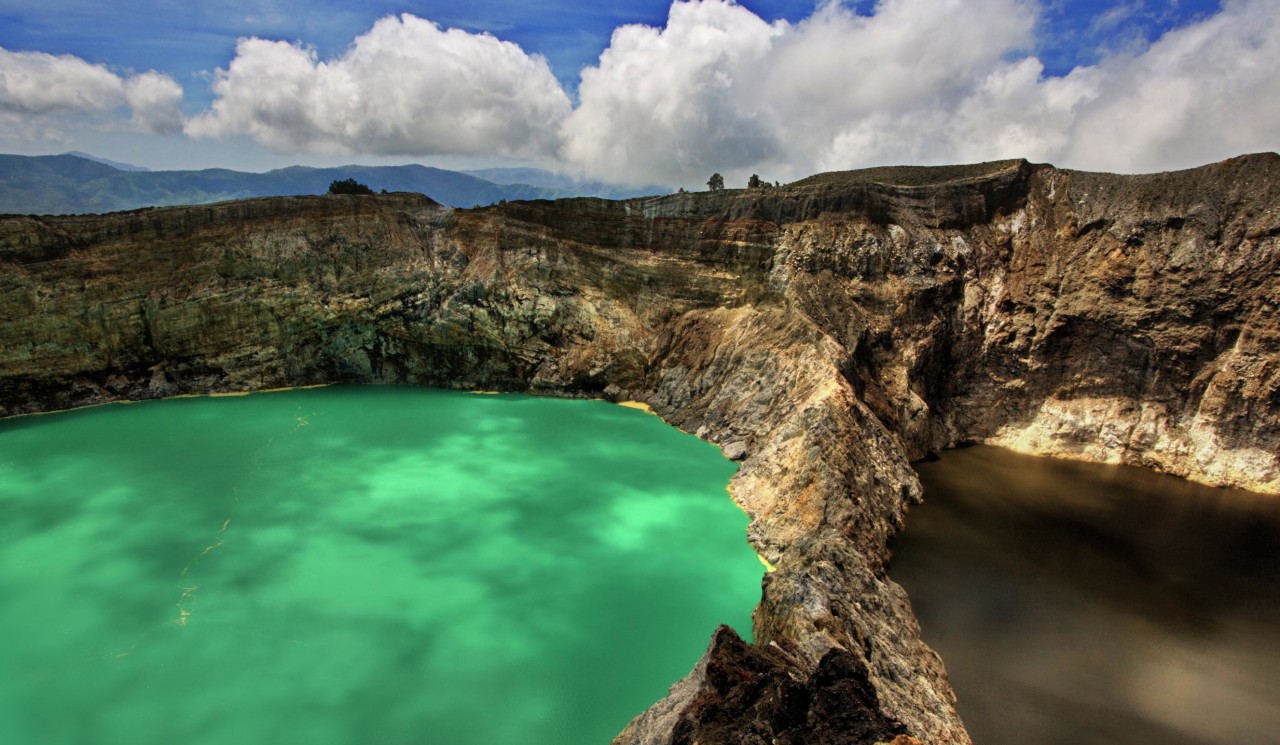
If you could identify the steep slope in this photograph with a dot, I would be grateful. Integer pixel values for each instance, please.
(824, 333)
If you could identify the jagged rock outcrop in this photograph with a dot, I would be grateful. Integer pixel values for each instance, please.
(825, 333)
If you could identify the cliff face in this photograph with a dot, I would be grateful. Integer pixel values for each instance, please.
(826, 333)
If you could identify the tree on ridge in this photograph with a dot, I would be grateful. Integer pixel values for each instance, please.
(348, 186)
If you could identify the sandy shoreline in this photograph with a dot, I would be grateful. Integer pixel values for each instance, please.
(127, 401)
(231, 394)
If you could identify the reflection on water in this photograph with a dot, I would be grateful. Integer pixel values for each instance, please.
(1075, 603)
(361, 565)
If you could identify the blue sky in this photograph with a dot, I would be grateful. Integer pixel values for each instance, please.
(189, 39)
(709, 83)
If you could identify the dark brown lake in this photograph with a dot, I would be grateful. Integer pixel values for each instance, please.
(1076, 603)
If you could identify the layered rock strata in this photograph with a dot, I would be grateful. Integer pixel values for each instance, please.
(825, 333)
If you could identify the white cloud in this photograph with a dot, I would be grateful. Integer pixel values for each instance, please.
(1115, 17)
(37, 89)
(663, 104)
(407, 87)
(1201, 93)
(155, 99)
(918, 81)
(716, 88)
(719, 89)
(884, 88)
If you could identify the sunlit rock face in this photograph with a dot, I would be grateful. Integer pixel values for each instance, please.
(827, 332)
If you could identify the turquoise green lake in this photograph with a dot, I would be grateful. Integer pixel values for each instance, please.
(357, 565)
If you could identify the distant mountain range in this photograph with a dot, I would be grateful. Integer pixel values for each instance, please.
(80, 183)
(113, 163)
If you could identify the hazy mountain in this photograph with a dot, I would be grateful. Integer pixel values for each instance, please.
(68, 184)
(113, 163)
(547, 179)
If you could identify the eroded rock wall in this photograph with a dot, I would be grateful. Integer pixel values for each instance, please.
(825, 333)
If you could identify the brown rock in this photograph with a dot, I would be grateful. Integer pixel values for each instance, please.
(828, 332)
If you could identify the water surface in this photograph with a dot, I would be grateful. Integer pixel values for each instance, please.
(357, 565)
(1075, 603)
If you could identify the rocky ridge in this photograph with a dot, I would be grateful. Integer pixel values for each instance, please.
(825, 333)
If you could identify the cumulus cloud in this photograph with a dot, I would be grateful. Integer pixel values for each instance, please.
(1200, 93)
(38, 86)
(917, 81)
(666, 103)
(882, 88)
(154, 99)
(718, 88)
(407, 87)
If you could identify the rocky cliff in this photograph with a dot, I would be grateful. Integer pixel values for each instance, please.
(825, 333)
